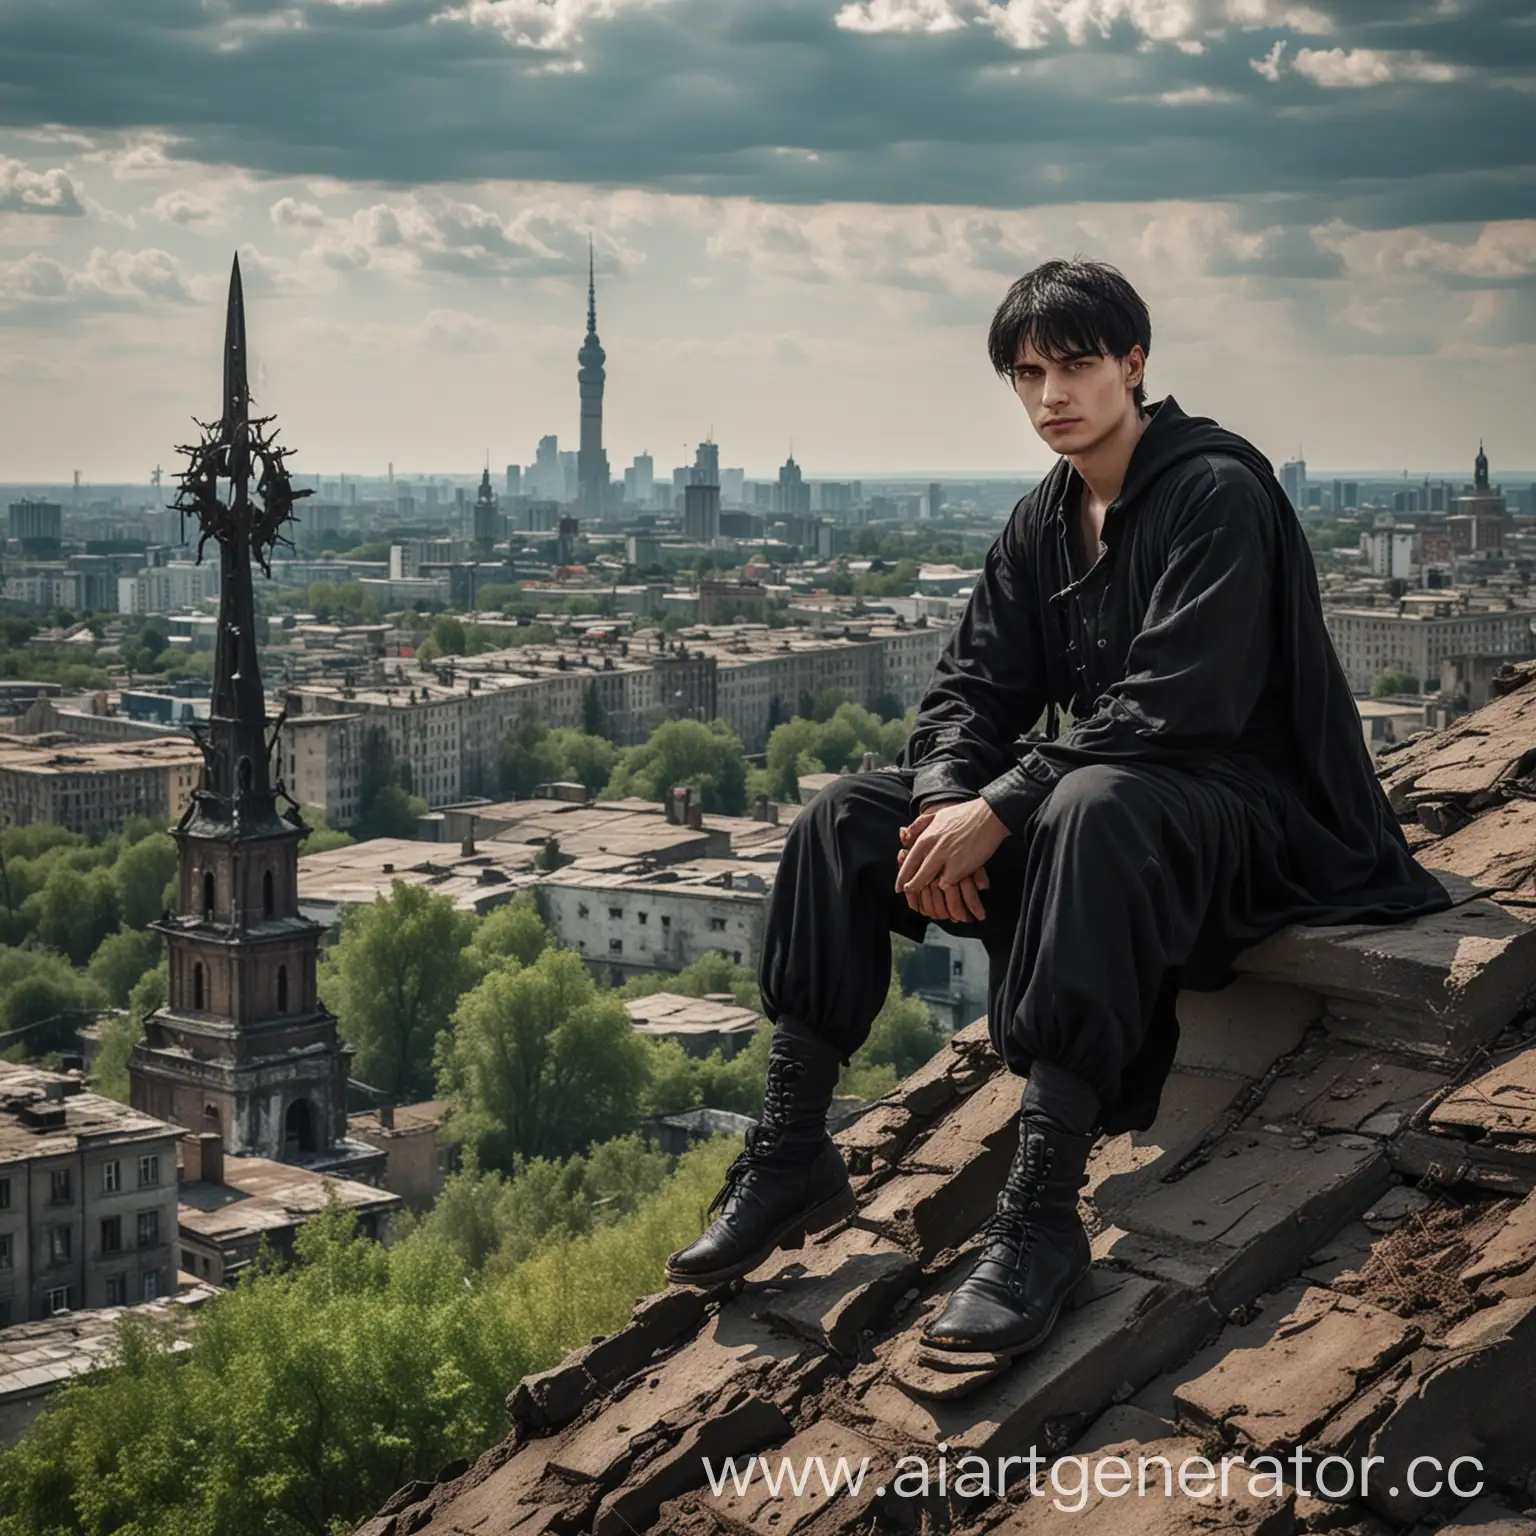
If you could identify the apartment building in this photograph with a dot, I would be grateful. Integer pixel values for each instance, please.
(87, 1199)
(93, 787)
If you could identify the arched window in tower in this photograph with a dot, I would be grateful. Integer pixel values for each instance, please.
(197, 985)
(266, 893)
(282, 989)
(208, 891)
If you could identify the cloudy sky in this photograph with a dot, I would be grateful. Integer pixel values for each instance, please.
(804, 213)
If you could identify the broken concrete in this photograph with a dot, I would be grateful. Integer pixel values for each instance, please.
(1278, 1394)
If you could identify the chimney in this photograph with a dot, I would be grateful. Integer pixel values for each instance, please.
(386, 1117)
(867, 763)
(696, 816)
(212, 1160)
(467, 847)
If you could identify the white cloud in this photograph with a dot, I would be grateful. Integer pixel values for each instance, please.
(114, 278)
(899, 16)
(289, 213)
(1271, 65)
(183, 207)
(546, 25)
(1194, 95)
(1355, 68)
(23, 190)
(1500, 253)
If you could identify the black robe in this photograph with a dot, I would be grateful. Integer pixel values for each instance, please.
(1197, 642)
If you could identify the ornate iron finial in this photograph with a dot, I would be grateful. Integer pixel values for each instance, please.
(237, 790)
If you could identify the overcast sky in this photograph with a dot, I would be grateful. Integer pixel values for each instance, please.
(804, 213)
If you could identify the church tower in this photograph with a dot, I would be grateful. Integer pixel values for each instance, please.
(591, 461)
(1480, 470)
(243, 1046)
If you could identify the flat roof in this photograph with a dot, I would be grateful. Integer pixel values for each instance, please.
(672, 1013)
(88, 1117)
(258, 1195)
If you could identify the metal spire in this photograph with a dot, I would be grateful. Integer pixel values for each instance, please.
(591, 290)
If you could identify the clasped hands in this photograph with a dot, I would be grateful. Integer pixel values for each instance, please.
(943, 856)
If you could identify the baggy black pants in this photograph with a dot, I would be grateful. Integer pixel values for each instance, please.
(1093, 906)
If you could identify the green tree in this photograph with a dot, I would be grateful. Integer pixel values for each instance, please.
(540, 1062)
(35, 985)
(141, 874)
(1388, 683)
(533, 754)
(321, 837)
(709, 757)
(511, 932)
(121, 959)
(385, 805)
(448, 635)
(75, 911)
(392, 979)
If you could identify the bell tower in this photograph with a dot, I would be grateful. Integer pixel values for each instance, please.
(243, 1045)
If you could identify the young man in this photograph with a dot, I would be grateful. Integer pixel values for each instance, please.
(1214, 785)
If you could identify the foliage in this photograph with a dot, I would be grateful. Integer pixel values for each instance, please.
(385, 805)
(392, 979)
(321, 837)
(707, 756)
(36, 985)
(144, 876)
(511, 932)
(533, 754)
(539, 1062)
(834, 744)
(1388, 683)
(121, 959)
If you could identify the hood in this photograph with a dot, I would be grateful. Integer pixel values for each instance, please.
(1174, 437)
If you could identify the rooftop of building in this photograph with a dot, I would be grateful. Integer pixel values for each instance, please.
(671, 1013)
(36, 1357)
(407, 1119)
(50, 1114)
(256, 1195)
(23, 754)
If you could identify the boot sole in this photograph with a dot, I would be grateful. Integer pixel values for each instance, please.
(790, 1234)
(1081, 1290)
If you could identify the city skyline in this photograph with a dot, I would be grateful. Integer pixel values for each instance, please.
(1324, 211)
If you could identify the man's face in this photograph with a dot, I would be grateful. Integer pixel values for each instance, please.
(1076, 402)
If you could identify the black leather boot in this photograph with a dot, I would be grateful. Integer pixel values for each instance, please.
(789, 1179)
(1035, 1249)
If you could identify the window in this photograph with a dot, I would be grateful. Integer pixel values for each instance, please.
(117, 1290)
(57, 1300)
(197, 986)
(112, 1234)
(149, 1169)
(149, 1228)
(60, 1246)
(266, 894)
(643, 916)
(717, 925)
(59, 1186)
(616, 913)
(111, 1177)
(666, 922)
(5, 1194)
(581, 909)
(5, 1250)
(149, 1285)
(189, 1261)
(615, 946)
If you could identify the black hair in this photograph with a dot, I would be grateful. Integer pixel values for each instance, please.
(1070, 309)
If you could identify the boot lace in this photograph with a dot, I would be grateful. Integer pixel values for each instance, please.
(778, 1095)
(1010, 1228)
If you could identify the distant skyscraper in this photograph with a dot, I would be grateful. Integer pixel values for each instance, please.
(935, 498)
(701, 513)
(487, 515)
(1293, 476)
(548, 477)
(706, 464)
(514, 479)
(645, 478)
(592, 467)
(791, 494)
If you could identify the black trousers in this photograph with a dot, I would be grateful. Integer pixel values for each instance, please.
(1094, 906)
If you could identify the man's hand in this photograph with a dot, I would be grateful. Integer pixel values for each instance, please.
(942, 859)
